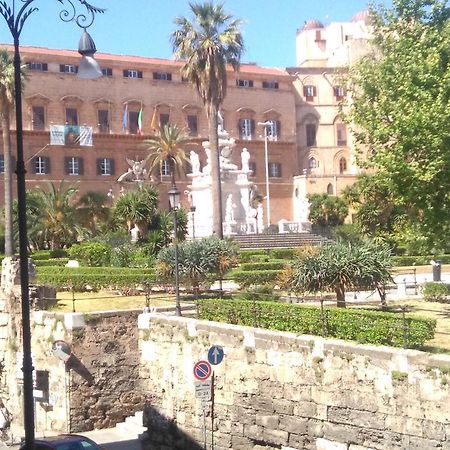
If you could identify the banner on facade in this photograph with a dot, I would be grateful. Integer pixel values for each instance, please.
(70, 135)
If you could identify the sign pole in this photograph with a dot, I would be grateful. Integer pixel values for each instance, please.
(204, 430)
(212, 411)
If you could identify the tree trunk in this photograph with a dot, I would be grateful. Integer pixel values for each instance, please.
(340, 295)
(216, 187)
(9, 239)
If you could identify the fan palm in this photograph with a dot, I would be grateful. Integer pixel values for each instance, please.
(6, 106)
(207, 44)
(168, 145)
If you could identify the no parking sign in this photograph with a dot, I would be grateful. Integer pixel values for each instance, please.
(202, 370)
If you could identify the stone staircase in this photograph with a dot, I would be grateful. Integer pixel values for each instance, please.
(132, 426)
(288, 240)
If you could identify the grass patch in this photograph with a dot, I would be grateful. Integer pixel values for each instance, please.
(107, 301)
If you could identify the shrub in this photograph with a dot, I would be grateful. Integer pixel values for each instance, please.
(436, 292)
(282, 253)
(51, 262)
(271, 265)
(253, 256)
(247, 278)
(401, 261)
(58, 253)
(367, 327)
(91, 253)
(41, 255)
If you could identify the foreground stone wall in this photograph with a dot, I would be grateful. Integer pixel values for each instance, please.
(278, 390)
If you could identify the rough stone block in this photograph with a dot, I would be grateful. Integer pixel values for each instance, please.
(325, 444)
(282, 406)
(267, 421)
(305, 409)
(277, 437)
(293, 424)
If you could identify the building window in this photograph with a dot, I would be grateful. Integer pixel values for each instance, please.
(341, 134)
(133, 122)
(244, 83)
(330, 190)
(132, 73)
(71, 116)
(41, 165)
(74, 165)
(105, 167)
(252, 167)
(165, 168)
(107, 72)
(37, 66)
(270, 84)
(167, 76)
(274, 170)
(246, 128)
(309, 92)
(192, 125)
(163, 119)
(103, 120)
(342, 165)
(312, 163)
(38, 113)
(273, 130)
(311, 134)
(68, 68)
(2, 163)
(339, 92)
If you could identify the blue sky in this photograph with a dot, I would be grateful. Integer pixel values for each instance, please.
(143, 27)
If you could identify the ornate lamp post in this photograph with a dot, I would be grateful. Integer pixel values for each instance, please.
(174, 201)
(15, 18)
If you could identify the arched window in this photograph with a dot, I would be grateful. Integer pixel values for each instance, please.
(312, 163)
(341, 134)
(330, 190)
(342, 165)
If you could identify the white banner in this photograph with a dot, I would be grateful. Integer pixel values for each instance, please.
(70, 135)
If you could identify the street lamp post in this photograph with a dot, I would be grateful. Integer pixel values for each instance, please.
(193, 208)
(266, 124)
(15, 19)
(174, 201)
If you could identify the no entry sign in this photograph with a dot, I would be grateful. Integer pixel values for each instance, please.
(202, 370)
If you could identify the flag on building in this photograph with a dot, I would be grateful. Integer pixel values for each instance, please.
(125, 119)
(154, 125)
(140, 119)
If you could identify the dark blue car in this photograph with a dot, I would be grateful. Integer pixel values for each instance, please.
(65, 442)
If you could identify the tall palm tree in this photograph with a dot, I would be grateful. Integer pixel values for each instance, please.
(6, 106)
(92, 210)
(168, 145)
(207, 44)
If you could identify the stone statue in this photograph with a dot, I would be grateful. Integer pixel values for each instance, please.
(134, 234)
(304, 210)
(245, 158)
(229, 206)
(195, 162)
(136, 171)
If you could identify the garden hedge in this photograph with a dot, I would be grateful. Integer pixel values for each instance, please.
(271, 265)
(400, 261)
(95, 277)
(436, 292)
(363, 326)
(247, 278)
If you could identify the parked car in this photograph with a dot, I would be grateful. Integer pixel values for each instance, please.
(65, 442)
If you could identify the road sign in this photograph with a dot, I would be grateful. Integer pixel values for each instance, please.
(215, 354)
(202, 370)
(205, 404)
(203, 389)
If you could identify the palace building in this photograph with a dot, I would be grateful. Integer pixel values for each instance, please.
(84, 131)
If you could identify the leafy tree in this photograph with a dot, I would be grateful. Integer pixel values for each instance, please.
(199, 261)
(137, 207)
(327, 210)
(58, 215)
(6, 107)
(400, 100)
(92, 211)
(168, 145)
(339, 267)
(206, 44)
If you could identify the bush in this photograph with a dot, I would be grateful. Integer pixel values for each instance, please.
(247, 278)
(366, 327)
(41, 255)
(253, 256)
(271, 265)
(91, 253)
(59, 262)
(282, 253)
(58, 253)
(94, 277)
(400, 261)
(436, 292)
(259, 293)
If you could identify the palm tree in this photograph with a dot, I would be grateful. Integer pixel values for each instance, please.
(207, 44)
(168, 145)
(6, 106)
(92, 211)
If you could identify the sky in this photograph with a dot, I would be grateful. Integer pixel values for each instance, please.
(143, 27)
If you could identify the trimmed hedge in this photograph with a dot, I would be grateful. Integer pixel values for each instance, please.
(271, 265)
(58, 262)
(95, 277)
(436, 292)
(363, 326)
(400, 261)
(282, 253)
(247, 278)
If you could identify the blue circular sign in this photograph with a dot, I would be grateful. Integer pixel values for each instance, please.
(215, 355)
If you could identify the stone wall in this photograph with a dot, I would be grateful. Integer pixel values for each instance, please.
(96, 388)
(278, 390)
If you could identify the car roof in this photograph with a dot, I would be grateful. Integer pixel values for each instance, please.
(60, 438)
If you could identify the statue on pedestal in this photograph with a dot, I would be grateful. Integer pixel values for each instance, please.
(195, 162)
(136, 171)
(245, 158)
